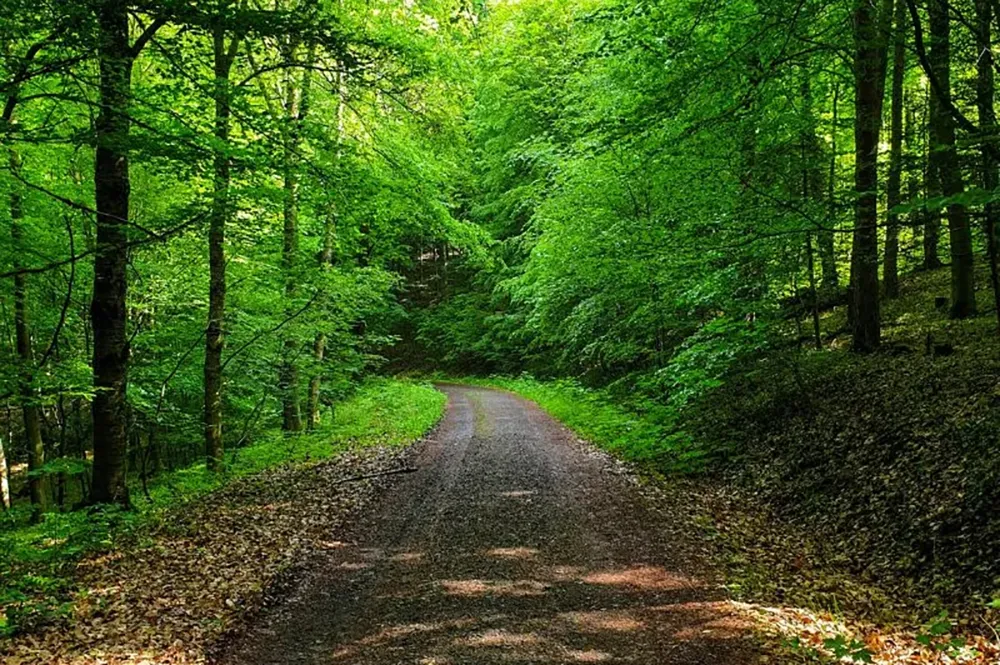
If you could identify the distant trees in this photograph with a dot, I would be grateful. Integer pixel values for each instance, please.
(649, 211)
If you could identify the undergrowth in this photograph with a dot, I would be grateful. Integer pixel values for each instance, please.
(37, 561)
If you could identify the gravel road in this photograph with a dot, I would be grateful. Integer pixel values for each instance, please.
(512, 543)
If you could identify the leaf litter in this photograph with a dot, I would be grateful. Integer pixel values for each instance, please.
(168, 597)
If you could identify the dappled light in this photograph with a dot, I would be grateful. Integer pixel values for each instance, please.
(643, 577)
(513, 552)
(493, 587)
(616, 621)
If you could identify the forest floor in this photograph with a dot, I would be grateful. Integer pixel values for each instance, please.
(507, 539)
(164, 582)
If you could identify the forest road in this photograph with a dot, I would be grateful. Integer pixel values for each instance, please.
(513, 542)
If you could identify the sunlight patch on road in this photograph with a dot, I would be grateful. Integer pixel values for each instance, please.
(518, 494)
(476, 587)
(603, 620)
(407, 557)
(499, 638)
(589, 656)
(642, 577)
(513, 552)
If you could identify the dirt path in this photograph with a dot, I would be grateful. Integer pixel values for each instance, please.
(512, 543)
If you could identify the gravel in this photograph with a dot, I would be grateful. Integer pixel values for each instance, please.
(512, 542)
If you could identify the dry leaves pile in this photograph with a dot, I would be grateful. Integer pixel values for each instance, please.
(784, 580)
(804, 632)
(168, 598)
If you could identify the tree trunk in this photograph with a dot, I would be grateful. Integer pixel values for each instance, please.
(319, 345)
(824, 239)
(4, 481)
(932, 218)
(25, 355)
(988, 124)
(214, 333)
(108, 313)
(326, 259)
(890, 267)
(947, 168)
(869, 78)
(296, 105)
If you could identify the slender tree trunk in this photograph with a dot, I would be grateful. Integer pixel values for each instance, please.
(319, 345)
(296, 106)
(890, 267)
(108, 313)
(869, 73)
(824, 239)
(4, 480)
(812, 186)
(289, 378)
(326, 258)
(988, 123)
(932, 218)
(25, 354)
(214, 333)
(945, 158)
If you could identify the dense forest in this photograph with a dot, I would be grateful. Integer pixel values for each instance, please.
(766, 230)
(209, 207)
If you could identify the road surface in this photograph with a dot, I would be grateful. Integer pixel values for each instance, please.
(512, 543)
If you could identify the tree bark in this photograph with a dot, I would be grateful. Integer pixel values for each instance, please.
(25, 355)
(869, 77)
(214, 333)
(947, 168)
(985, 90)
(890, 267)
(108, 312)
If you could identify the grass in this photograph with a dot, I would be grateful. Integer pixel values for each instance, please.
(37, 561)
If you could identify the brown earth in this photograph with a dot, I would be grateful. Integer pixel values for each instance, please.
(512, 542)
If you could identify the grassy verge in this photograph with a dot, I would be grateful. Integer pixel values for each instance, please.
(37, 562)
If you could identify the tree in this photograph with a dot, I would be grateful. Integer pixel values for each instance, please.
(22, 326)
(825, 242)
(223, 56)
(871, 43)
(890, 269)
(25, 353)
(945, 159)
(985, 92)
(295, 104)
(108, 312)
(326, 259)
(4, 480)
